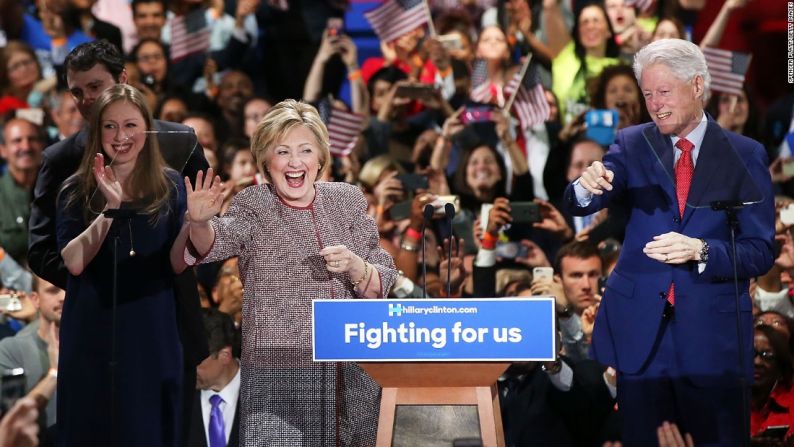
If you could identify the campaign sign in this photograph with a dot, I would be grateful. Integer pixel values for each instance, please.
(504, 329)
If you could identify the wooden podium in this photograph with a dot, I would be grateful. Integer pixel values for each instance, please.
(439, 383)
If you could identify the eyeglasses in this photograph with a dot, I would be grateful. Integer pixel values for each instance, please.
(773, 323)
(21, 64)
(148, 58)
(765, 355)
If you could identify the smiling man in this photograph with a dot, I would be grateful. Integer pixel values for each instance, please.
(667, 322)
(21, 147)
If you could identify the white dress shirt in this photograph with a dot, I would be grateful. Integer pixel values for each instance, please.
(230, 393)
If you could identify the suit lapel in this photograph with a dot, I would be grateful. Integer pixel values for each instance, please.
(662, 149)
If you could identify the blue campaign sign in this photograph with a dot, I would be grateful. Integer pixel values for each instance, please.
(504, 329)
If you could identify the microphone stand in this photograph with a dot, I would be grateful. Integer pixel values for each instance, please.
(449, 210)
(121, 215)
(427, 215)
(731, 207)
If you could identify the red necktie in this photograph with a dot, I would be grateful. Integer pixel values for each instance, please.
(683, 179)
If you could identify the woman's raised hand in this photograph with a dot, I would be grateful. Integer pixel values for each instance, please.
(107, 182)
(206, 199)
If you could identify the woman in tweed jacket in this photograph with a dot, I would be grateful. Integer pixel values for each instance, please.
(296, 240)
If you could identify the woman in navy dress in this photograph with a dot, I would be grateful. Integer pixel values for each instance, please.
(137, 401)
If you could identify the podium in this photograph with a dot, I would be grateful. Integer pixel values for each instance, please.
(464, 383)
(436, 352)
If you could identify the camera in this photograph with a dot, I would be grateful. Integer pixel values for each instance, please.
(10, 302)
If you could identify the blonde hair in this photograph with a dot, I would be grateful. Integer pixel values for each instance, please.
(148, 179)
(277, 122)
(374, 167)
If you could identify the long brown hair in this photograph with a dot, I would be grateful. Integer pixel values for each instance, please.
(148, 180)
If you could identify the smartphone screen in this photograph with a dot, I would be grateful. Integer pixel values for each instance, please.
(412, 182)
(525, 212)
(475, 115)
(542, 272)
(12, 388)
(602, 125)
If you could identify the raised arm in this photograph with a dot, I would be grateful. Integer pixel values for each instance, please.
(81, 250)
(556, 30)
(717, 28)
(203, 203)
(314, 81)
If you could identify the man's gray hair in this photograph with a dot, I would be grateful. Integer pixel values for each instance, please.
(682, 57)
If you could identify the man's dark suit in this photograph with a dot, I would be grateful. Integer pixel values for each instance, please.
(60, 161)
(630, 325)
(197, 437)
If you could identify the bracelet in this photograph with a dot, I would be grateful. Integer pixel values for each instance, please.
(704, 251)
(555, 367)
(408, 247)
(363, 277)
(53, 373)
(410, 233)
(354, 75)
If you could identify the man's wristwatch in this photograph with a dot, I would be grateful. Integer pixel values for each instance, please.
(704, 251)
(553, 367)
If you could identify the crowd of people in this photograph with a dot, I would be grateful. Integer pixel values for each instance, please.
(194, 196)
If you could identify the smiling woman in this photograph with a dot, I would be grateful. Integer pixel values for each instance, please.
(297, 239)
(121, 169)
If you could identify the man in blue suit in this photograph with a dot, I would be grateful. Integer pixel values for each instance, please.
(667, 322)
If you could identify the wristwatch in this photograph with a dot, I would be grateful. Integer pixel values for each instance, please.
(553, 367)
(704, 251)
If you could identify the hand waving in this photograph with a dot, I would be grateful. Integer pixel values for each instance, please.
(107, 183)
(205, 201)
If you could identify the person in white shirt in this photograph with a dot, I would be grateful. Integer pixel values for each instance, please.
(215, 421)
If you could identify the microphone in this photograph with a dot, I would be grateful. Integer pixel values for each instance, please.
(427, 214)
(449, 210)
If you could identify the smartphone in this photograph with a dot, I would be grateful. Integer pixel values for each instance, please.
(602, 125)
(787, 215)
(511, 250)
(412, 182)
(525, 212)
(401, 210)
(788, 168)
(542, 272)
(147, 80)
(10, 302)
(479, 114)
(451, 41)
(415, 91)
(12, 388)
(441, 202)
(775, 432)
(334, 26)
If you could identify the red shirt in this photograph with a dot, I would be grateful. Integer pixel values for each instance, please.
(779, 410)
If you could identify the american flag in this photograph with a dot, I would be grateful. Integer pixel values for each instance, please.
(480, 84)
(189, 34)
(530, 101)
(396, 18)
(641, 5)
(343, 128)
(727, 69)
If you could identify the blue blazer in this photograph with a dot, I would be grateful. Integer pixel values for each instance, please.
(630, 315)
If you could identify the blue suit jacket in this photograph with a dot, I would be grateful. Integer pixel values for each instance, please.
(631, 311)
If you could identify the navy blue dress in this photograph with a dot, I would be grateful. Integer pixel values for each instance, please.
(148, 374)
